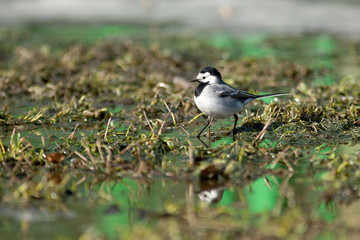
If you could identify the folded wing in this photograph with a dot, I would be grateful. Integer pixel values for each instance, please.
(230, 92)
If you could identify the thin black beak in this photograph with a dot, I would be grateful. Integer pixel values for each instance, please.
(195, 80)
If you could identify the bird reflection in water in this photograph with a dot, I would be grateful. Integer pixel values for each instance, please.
(211, 191)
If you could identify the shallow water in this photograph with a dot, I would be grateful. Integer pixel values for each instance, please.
(176, 207)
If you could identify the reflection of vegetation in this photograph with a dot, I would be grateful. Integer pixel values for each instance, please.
(75, 106)
(260, 197)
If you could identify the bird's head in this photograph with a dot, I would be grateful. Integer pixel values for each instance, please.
(208, 75)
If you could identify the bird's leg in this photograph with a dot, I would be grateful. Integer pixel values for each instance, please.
(236, 119)
(204, 143)
(207, 124)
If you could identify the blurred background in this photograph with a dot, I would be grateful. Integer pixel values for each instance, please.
(341, 17)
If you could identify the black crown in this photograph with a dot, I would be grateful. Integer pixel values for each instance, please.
(212, 71)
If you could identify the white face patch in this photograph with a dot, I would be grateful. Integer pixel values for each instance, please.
(208, 196)
(202, 77)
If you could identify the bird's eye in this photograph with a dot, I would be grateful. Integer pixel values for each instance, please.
(203, 77)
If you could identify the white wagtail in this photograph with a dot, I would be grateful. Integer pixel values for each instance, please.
(216, 98)
(211, 196)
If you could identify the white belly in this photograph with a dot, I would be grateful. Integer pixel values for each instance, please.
(219, 107)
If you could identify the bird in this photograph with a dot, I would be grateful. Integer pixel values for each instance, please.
(216, 98)
(211, 196)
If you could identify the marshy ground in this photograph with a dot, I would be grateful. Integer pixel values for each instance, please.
(98, 126)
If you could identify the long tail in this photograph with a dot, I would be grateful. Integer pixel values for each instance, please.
(272, 95)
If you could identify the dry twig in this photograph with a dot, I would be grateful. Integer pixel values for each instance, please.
(261, 135)
(98, 145)
(71, 136)
(148, 122)
(191, 154)
(107, 129)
